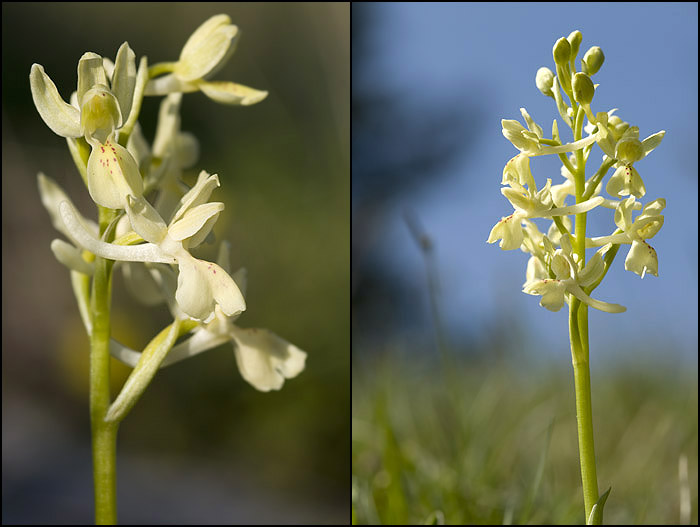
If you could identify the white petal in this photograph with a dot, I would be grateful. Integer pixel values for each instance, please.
(198, 194)
(169, 84)
(196, 224)
(61, 117)
(202, 340)
(168, 124)
(231, 93)
(146, 252)
(51, 197)
(575, 290)
(145, 220)
(264, 359)
(71, 257)
(124, 79)
(91, 72)
(207, 47)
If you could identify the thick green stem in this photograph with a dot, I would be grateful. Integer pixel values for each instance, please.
(584, 419)
(104, 434)
(578, 334)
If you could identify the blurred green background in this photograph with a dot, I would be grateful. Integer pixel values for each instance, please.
(493, 441)
(202, 446)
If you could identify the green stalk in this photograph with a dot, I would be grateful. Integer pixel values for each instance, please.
(104, 434)
(584, 420)
(578, 334)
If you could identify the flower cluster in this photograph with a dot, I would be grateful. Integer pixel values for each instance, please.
(156, 220)
(556, 271)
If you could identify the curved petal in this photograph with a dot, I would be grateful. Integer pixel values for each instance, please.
(169, 84)
(202, 340)
(575, 290)
(198, 222)
(584, 206)
(71, 257)
(146, 252)
(168, 124)
(231, 93)
(51, 197)
(206, 48)
(266, 360)
(91, 72)
(197, 195)
(61, 117)
(124, 79)
(145, 220)
(652, 142)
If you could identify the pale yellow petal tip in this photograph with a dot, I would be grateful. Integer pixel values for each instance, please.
(254, 98)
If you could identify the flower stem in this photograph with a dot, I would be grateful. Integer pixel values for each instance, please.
(104, 434)
(578, 335)
(584, 419)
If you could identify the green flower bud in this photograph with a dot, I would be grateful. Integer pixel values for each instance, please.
(574, 39)
(561, 51)
(583, 88)
(544, 81)
(593, 60)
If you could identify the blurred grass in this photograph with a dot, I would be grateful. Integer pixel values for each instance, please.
(500, 447)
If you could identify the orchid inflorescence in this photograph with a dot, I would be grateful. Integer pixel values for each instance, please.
(156, 220)
(557, 270)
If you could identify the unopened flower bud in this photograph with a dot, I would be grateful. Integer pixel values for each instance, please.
(593, 60)
(544, 81)
(583, 88)
(574, 39)
(561, 51)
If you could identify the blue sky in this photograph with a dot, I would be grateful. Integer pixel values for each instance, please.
(488, 54)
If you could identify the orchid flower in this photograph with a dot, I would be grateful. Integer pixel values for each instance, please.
(530, 141)
(568, 280)
(201, 285)
(264, 359)
(101, 108)
(641, 258)
(205, 53)
(528, 203)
